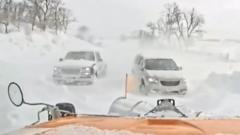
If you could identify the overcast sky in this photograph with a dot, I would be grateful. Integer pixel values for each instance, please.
(113, 17)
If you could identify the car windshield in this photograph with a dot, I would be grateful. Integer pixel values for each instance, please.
(160, 64)
(85, 55)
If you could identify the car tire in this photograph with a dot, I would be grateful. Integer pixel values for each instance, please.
(182, 92)
(97, 75)
(90, 83)
(57, 82)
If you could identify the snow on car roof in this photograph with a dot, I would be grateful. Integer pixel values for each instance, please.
(86, 49)
(155, 54)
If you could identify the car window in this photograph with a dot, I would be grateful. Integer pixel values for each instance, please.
(85, 55)
(98, 56)
(140, 60)
(137, 59)
(160, 64)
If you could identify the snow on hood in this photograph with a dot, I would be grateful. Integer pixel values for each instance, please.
(165, 74)
(75, 63)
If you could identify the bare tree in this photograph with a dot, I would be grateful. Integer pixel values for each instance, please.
(193, 22)
(174, 21)
(18, 15)
(55, 14)
(166, 23)
(5, 16)
(152, 26)
(33, 13)
(42, 14)
(66, 18)
(44, 7)
(179, 31)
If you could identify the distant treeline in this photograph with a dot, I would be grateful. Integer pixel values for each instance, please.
(174, 22)
(38, 14)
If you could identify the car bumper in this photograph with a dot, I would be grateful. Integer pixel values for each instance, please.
(182, 87)
(73, 78)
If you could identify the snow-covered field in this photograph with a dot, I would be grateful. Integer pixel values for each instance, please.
(212, 70)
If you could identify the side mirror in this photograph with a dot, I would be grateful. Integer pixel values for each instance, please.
(142, 68)
(61, 59)
(180, 68)
(100, 59)
(15, 94)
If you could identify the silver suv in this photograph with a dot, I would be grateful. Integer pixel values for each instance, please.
(158, 74)
(79, 67)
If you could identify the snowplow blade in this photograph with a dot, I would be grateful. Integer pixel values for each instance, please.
(145, 125)
(128, 107)
(131, 84)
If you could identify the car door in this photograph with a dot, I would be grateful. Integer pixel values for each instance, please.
(141, 71)
(139, 66)
(101, 66)
(135, 69)
(134, 66)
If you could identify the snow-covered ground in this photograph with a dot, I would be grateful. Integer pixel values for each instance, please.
(212, 70)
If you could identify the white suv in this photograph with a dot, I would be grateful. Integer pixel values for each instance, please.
(79, 67)
(158, 74)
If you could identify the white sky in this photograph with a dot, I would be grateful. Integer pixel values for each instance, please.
(113, 17)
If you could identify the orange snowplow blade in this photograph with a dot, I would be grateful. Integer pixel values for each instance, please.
(151, 126)
(131, 83)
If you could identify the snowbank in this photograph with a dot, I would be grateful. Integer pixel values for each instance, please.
(221, 93)
(29, 60)
(226, 49)
(40, 46)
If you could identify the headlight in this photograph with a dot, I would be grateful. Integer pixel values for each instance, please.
(184, 81)
(88, 70)
(56, 70)
(152, 79)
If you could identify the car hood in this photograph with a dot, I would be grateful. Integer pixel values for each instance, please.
(165, 74)
(75, 63)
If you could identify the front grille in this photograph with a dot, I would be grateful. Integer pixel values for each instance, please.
(170, 83)
(70, 71)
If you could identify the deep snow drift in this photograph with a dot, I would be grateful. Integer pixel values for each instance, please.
(212, 70)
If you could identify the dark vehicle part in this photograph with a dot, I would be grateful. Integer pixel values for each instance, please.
(66, 107)
(166, 105)
(16, 97)
(15, 94)
(166, 100)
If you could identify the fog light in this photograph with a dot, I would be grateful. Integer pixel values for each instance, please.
(152, 80)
